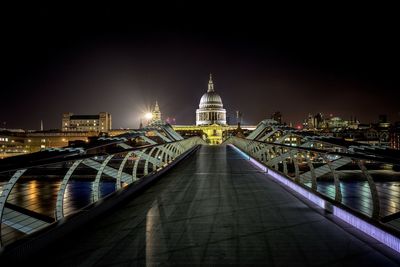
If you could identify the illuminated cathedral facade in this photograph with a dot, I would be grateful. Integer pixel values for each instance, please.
(210, 117)
(211, 121)
(210, 109)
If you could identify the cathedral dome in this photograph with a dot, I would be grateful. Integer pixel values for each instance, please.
(210, 109)
(210, 100)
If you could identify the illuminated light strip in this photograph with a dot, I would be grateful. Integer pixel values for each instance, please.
(258, 165)
(384, 237)
(305, 193)
(371, 230)
(310, 196)
(240, 151)
(253, 161)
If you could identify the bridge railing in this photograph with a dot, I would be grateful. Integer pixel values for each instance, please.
(35, 197)
(364, 185)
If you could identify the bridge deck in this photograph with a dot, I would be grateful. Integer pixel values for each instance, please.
(216, 208)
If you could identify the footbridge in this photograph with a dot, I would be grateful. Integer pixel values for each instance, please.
(278, 197)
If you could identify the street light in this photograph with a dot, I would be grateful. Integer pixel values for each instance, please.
(148, 116)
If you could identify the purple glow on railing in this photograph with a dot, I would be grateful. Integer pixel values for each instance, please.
(253, 161)
(240, 151)
(258, 164)
(305, 193)
(312, 197)
(371, 230)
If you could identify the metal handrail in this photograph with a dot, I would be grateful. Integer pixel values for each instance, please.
(153, 157)
(354, 155)
(273, 156)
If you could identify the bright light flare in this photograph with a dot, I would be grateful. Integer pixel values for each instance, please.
(148, 116)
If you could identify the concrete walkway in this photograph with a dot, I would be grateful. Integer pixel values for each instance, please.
(216, 208)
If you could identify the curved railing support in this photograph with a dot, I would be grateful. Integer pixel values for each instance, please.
(146, 164)
(314, 185)
(336, 181)
(25, 221)
(293, 155)
(59, 212)
(372, 187)
(135, 166)
(96, 183)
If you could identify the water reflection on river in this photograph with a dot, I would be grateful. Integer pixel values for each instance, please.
(41, 195)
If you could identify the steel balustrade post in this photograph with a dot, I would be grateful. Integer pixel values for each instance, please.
(135, 166)
(261, 153)
(59, 212)
(276, 155)
(285, 169)
(268, 154)
(121, 168)
(159, 149)
(96, 183)
(174, 151)
(294, 157)
(165, 153)
(146, 164)
(372, 187)
(314, 185)
(170, 153)
(338, 192)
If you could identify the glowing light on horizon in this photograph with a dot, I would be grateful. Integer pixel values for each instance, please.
(148, 116)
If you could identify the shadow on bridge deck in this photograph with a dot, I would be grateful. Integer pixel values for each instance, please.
(216, 208)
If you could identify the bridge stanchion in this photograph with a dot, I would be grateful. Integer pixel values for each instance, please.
(59, 212)
(376, 207)
(96, 183)
(338, 192)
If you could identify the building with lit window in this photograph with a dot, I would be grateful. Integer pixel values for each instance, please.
(395, 136)
(12, 144)
(86, 123)
(277, 116)
(19, 143)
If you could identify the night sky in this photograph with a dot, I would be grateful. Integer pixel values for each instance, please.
(86, 59)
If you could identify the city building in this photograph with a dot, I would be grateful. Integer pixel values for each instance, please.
(23, 142)
(277, 116)
(336, 122)
(12, 144)
(395, 136)
(383, 121)
(86, 123)
(314, 122)
(318, 122)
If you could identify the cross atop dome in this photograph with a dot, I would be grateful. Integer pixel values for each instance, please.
(210, 84)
